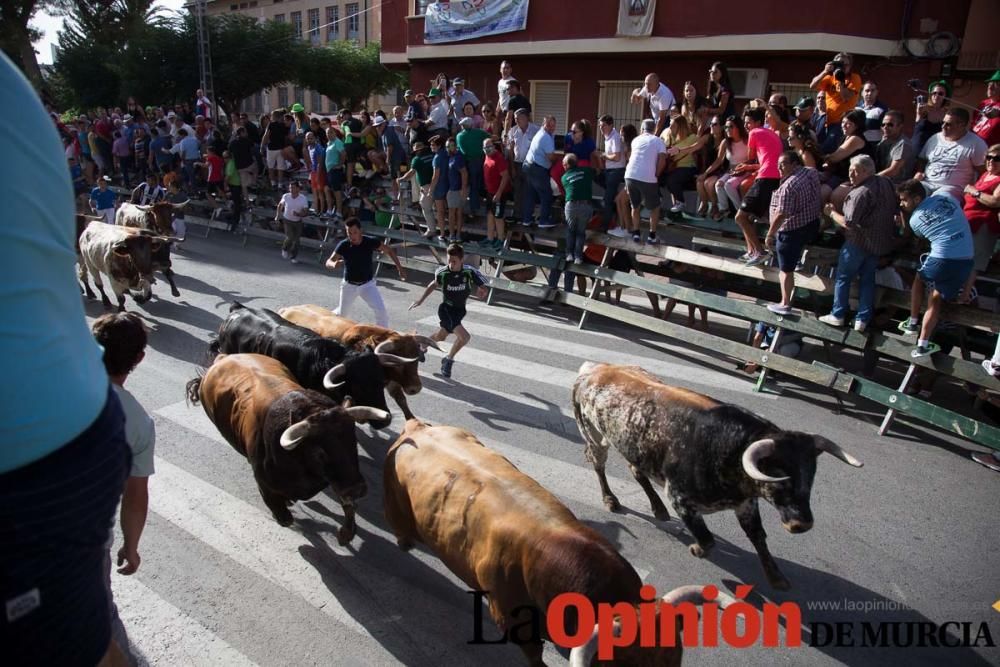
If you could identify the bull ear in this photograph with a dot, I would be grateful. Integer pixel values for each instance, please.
(582, 656)
(754, 454)
(334, 374)
(348, 402)
(425, 342)
(834, 450)
(120, 249)
(293, 435)
(365, 413)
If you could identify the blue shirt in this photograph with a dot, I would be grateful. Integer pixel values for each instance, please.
(391, 139)
(456, 163)
(57, 385)
(940, 220)
(317, 157)
(156, 147)
(190, 148)
(102, 200)
(542, 144)
(441, 164)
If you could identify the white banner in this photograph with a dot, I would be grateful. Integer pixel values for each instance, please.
(469, 19)
(635, 18)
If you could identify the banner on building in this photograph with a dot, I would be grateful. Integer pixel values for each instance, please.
(469, 19)
(635, 18)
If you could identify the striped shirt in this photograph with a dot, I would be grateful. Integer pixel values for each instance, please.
(798, 198)
(870, 213)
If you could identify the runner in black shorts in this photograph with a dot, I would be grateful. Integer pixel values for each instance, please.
(457, 280)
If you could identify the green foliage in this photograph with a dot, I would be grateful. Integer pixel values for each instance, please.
(346, 73)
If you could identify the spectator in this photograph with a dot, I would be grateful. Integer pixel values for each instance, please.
(391, 146)
(763, 150)
(986, 121)
(140, 153)
(519, 141)
(417, 131)
(178, 124)
(64, 458)
(681, 146)
(503, 94)
(953, 158)
(894, 156)
(613, 174)
(440, 185)
(646, 162)
(939, 219)
(122, 154)
(315, 157)
(795, 210)
(840, 87)
(470, 144)
(234, 187)
(334, 157)
(496, 177)
(175, 196)
(492, 122)
(160, 143)
(693, 106)
(705, 180)
(720, 92)
(839, 161)
(123, 337)
(355, 254)
(241, 150)
(149, 192)
(292, 208)
(776, 118)
(439, 113)
(202, 105)
(469, 111)
(874, 111)
(422, 172)
(800, 140)
(660, 99)
(102, 200)
(458, 190)
(806, 115)
(580, 142)
(461, 96)
(734, 151)
(215, 168)
(351, 128)
(869, 225)
(516, 102)
(981, 203)
(537, 163)
(930, 114)
(578, 182)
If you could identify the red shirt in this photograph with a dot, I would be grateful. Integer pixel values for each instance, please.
(976, 211)
(988, 129)
(215, 168)
(765, 145)
(494, 167)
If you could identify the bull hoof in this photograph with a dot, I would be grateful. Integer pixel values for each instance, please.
(284, 519)
(662, 514)
(174, 291)
(699, 551)
(612, 504)
(106, 303)
(344, 536)
(121, 309)
(779, 582)
(404, 545)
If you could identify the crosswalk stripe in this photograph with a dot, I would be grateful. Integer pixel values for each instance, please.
(526, 401)
(174, 637)
(528, 370)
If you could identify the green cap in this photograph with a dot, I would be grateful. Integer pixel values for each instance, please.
(297, 108)
(434, 93)
(995, 77)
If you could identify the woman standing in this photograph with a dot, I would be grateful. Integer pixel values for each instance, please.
(720, 92)
(580, 142)
(930, 114)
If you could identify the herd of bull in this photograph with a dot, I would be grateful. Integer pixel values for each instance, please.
(286, 389)
(127, 252)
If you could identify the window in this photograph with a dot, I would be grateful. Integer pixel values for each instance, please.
(420, 7)
(316, 103)
(314, 26)
(550, 98)
(253, 3)
(279, 18)
(243, 5)
(332, 23)
(792, 91)
(233, 8)
(297, 23)
(351, 14)
(283, 97)
(615, 99)
(300, 95)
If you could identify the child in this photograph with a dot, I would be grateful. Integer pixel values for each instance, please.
(175, 196)
(457, 281)
(215, 176)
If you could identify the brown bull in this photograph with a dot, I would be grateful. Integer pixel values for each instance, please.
(398, 353)
(156, 217)
(499, 531)
(298, 441)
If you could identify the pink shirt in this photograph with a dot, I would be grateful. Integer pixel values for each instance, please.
(766, 146)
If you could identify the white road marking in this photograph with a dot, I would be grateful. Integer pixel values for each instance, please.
(158, 628)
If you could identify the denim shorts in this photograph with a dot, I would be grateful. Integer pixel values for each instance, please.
(789, 245)
(947, 276)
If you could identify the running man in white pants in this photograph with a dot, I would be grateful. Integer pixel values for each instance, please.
(355, 254)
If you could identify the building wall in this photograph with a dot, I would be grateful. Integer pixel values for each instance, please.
(368, 29)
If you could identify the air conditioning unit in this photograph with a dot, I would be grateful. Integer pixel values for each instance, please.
(748, 82)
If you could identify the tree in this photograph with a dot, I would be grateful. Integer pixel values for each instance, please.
(16, 36)
(346, 73)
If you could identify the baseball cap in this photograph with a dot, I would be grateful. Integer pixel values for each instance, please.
(171, 115)
(297, 108)
(434, 92)
(407, 93)
(457, 81)
(805, 102)
(995, 77)
(465, 122)
(378, 120)
(522, 112)
(128, 116)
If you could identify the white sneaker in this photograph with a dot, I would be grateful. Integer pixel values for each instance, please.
(860, 326)
(779, 308)
(284, 254)
(617, 232)
(294, 260)
(677, 208)
(832, 320)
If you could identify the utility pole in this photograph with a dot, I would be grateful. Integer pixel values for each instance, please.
(204, 55)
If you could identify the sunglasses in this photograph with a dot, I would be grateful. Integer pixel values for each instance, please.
(992, 157)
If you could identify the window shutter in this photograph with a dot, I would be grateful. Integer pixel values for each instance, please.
(550, 98)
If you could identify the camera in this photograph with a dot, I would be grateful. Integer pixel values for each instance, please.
(838, 70)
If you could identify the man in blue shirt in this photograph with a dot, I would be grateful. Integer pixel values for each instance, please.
(940, 220)
(160, 158)
(102, 200)
(190, 152)
(537, 163)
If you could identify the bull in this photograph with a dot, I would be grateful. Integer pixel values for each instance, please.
(713, 455)
(122, 255)
(317, 363)
(297, 441)
(156, 218)
(398, 353)
(81, 224)
(499, 531)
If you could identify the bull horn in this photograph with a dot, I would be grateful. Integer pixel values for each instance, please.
(334, 374)
(582, 656)
(93, 218)
(144, 209)
(182, 204)
(364, 413)
(753, 455)
(169, 239)
(389, 359)
(293, 435)
(385, 346)
(833, 449)
(426, 342)
(694, 595)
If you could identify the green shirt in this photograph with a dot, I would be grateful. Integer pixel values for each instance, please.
(383, 218)
(423, 165)
(470, 142)
(578, 183)
(232, 173)
(334, 154)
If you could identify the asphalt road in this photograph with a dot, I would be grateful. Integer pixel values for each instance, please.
(912, 535)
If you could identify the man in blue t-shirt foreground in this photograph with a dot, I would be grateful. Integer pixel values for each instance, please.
(355, 254)
(939, 219)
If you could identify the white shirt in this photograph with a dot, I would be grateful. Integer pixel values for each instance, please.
(439, 115)
(458, 101)
(292, 205)
(521, 139)
(659, 101)
(140, 433)
(174, 130)
(502, 93)
(613, 144)
(149, 195)
(953, 162)
(646, 149)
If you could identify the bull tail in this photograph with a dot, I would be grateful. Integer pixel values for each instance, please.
(192, 389)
